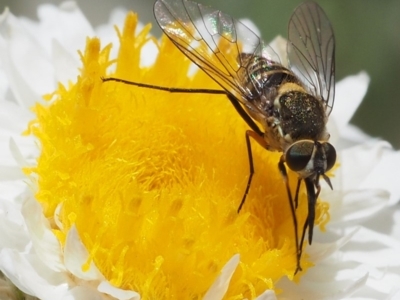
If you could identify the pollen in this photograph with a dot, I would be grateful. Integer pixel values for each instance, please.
(152, 180)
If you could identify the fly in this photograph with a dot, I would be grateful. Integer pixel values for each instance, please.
(291, 103)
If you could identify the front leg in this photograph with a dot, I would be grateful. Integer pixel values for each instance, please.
(282, 169)
(260, 140)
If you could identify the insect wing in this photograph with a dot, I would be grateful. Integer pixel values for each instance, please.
(311, 51)
(214, 41)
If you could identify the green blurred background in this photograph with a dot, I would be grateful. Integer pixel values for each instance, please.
(367, 36)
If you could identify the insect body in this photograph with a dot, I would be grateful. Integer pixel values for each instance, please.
(291, 103)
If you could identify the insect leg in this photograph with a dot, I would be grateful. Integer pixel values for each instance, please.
(296, 197)
(255, 133)
(312, 200)
(309, 222)
(305, 226)
(245, 116)
(261, 141)
(251, 165)
(163, 88)
(282, 169)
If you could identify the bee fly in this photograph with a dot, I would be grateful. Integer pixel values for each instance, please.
(291, 103)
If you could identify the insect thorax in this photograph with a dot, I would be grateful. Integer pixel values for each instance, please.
(284, 108)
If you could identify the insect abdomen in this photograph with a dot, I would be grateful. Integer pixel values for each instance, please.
(264, 76)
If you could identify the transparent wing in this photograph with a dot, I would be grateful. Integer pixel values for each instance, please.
(311, 51)
(215, 42)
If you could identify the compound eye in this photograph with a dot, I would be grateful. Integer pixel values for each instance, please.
(330, 154)
(299, 154)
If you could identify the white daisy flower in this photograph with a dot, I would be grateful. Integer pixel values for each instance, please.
(118, 194)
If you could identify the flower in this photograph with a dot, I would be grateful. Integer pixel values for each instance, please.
(163, 202)
(133, 199)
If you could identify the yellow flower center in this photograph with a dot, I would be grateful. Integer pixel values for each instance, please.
(152, 180)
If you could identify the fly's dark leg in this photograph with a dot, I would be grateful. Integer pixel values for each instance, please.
(163, 88)
(245, 116)
(282, 169)
(251, 165)
(256, 134)
(305, 226)
(296, 197)
(309, 222)
(259, 139)
(312, 196)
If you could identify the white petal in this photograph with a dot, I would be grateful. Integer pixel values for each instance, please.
(395, 224)
(356, 206)
(3, 83)
(13, 119)
(351, 289)
(106, 288)
(372, 165)
(221, 284)
(395, 294)
(66, 65)
(12, 161)
(32, 276)
(321, 251)
(16, 153)
(353, 136)
(46, 244)
(349, 93)
(357, 163)
(28, 69)
(386, 173)
(83, 293)
(64, 23)
(12, 192)
(322, 285)
(76, 255)
(12, 227)
(373, 248)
